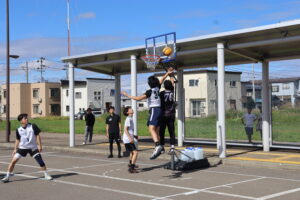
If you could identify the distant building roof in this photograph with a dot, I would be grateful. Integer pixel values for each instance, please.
(280, 80)
(105, 79)
(66, 82)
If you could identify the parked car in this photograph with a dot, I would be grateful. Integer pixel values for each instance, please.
(97, 113)
(80, 115)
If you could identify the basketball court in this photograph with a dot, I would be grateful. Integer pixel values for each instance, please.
(90, 176)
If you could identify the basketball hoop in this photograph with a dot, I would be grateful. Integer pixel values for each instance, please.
(151, 61)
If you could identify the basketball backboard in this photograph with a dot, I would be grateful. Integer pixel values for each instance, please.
(156, 44)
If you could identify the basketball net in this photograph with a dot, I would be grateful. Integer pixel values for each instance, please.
(151, 61)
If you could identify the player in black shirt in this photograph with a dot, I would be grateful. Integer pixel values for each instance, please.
(168, 112)
(113, 130)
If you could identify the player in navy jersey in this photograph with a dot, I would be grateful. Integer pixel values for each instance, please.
(168, 112)
(154, 103)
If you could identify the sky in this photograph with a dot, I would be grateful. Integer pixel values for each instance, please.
(38, 28)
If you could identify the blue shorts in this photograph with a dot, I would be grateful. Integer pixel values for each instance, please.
(154, 116)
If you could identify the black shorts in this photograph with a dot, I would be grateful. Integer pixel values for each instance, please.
(130, 147)
(114, 136)
(24, 152)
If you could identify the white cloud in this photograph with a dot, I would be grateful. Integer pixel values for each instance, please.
(87, 15)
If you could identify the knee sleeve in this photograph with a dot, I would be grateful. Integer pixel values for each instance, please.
(39, 159)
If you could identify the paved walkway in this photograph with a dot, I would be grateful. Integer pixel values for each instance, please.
(238, 156)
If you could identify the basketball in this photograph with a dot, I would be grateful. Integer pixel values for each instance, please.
(167, 51)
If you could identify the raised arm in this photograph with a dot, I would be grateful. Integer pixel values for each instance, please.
(165, 76)
(138, 98)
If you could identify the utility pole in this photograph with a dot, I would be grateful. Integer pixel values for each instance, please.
(253, 85)
(41, 67)
(26, 70)
(7, 75)
(68, 21)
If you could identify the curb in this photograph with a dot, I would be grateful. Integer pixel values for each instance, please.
(269, 165)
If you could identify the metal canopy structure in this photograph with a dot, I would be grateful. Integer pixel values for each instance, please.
(263, 44)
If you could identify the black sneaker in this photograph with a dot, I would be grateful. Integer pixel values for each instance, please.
(110, 156)
(132, 171)
(119, 156)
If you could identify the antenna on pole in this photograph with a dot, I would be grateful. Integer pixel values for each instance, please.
(68, 21)
(40, 68)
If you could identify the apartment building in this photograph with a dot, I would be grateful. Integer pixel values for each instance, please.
(35, 99)
(200, 91)
(95, 93)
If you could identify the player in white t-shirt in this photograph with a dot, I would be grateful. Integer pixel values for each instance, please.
(248, 121)
(154, 105)
(28, 141)
(128, 139)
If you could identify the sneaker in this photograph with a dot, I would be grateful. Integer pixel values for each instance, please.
(171, 151)
(135, 166)
(132, 171)
(156, 152)
(48, 177)
(5, 179)
(83, 143)
(119, 156)
(110, 156)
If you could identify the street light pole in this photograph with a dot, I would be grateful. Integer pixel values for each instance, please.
(7, 74)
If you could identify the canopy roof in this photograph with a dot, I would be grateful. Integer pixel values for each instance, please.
(279, 41)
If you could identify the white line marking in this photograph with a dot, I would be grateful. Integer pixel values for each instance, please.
(213, 187)
(230, 195)
(96, 159)
(90, 186)
(279, 194)
(271, 177)
(89, 166)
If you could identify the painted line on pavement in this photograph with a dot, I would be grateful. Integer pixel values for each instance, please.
(89, 186)
(264, 160)
(279, 194)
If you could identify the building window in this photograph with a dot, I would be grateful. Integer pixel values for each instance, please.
(275, 88)
(197, 108)
(35, 93)
(4, 109)
(249, 94)
(97, 95)
(67, 93)
(4, 94)
(285, 86)
(55, 109)
(112, 92)
(35, 108)
(67, 108)
(193, 82)
(77, 95)
(54, 93)
(232, 83)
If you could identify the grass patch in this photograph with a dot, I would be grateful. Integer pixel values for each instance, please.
(286, 125)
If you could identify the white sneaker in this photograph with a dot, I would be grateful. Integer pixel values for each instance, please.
(48, 177)
(156, 152)
(5, 179)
